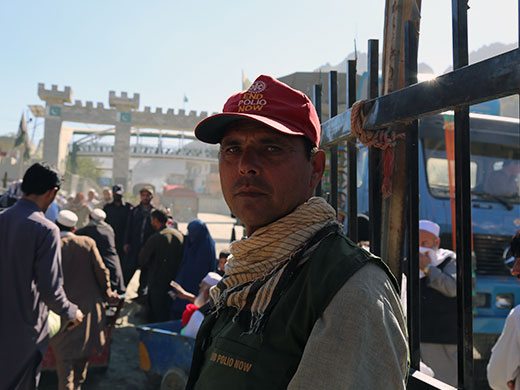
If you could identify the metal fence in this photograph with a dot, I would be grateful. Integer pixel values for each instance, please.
(466, 85)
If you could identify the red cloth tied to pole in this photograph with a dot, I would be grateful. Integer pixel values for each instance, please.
(384, 139)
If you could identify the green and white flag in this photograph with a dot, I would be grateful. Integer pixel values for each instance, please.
(21, 137)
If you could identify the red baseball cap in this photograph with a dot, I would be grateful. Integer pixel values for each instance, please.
(267, 101)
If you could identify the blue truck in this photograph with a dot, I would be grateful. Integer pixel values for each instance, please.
(495, 146)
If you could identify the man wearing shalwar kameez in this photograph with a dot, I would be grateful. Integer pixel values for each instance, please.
(87, 282)
(30, 280)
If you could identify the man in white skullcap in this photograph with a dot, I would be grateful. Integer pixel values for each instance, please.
(86, 282)
(195, 312)
(103, 234)
(438, 272)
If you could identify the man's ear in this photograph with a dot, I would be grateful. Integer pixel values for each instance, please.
(318, 167)
(51, 194)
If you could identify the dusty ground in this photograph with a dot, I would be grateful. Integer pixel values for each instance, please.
(123, 372)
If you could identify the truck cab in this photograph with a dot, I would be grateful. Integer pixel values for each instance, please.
(495, 196)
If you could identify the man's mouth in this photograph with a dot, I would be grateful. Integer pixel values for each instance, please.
(249, 193)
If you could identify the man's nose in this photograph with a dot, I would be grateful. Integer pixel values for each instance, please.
(249, 162)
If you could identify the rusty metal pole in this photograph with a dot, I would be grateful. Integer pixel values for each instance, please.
(333, 111)
(317, 105)
(393, 213)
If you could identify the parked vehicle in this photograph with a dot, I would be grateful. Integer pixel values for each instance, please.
(495, 210)
(182, 201)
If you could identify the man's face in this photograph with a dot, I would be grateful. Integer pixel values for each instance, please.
(106, 195)
(222, 263)
(428, 240)
(90, 195)
(117, 197)
(515, 271)
(146, 198)
(156, 224)
(265, 174)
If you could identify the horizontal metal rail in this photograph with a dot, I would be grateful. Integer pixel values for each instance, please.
(486, 80)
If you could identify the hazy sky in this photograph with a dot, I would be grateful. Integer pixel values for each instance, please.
(164, 49)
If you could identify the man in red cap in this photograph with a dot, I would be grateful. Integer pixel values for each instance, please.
(300, 306)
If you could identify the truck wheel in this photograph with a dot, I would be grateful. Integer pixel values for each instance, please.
(174, 379)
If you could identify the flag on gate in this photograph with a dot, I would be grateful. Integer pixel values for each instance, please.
(185, 99)
(21, 137)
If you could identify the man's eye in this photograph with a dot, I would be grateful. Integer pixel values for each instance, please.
(273, 148)
(231, 149)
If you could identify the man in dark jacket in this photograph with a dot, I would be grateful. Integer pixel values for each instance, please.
(117, 216)
(300, 305)
(138, 229)
(31, 280)
(161, 254)
(103, 234)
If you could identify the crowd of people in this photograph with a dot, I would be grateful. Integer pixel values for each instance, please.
(77, 256)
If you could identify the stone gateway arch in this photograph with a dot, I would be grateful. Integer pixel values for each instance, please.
(123, 114)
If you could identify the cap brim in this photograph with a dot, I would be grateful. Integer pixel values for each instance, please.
(212, 129)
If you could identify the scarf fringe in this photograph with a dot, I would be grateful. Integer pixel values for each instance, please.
(263, 264)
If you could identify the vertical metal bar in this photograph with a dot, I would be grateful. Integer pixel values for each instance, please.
(463, 206)
(334, 177)
(333, 94)
(374, 155)
(333, 111)
(413, 291)
(317, 105)
(352, 158)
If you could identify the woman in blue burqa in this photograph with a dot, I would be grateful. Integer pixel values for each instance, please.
(198, 259)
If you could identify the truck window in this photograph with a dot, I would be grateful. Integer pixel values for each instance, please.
(495, 170)
(438, 177)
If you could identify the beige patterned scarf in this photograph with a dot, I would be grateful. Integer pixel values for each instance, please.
(256, 263)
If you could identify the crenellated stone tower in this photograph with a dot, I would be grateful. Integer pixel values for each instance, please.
(124, 107)
(55, 144)
(123, 114)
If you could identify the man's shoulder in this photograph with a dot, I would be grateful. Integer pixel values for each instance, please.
(85, 231)
(338, 245)
(80, 241)
(514, 314)
(105, 229)
(169, 231)
(337, 254)
(112, 205)
(39, 222)
(447, 253)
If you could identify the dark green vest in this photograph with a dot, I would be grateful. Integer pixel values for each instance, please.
(227, 356)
